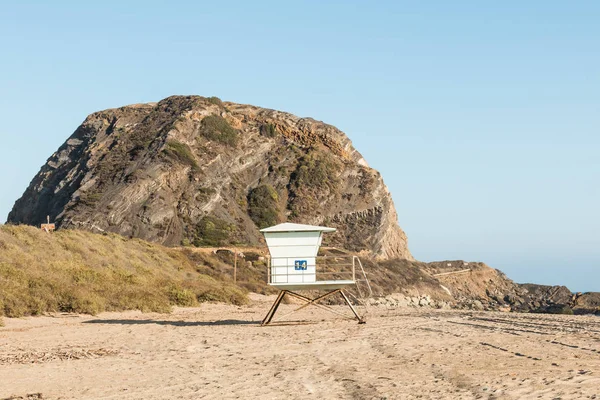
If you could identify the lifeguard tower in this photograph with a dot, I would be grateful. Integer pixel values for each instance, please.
(293, 266)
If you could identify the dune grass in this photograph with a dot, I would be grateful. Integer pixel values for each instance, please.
(82, 272)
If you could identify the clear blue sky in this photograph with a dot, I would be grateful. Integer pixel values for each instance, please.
(483, 117)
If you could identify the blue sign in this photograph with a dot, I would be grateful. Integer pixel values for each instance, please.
(300, 265)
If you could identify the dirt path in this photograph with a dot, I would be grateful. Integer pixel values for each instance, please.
(220, 351)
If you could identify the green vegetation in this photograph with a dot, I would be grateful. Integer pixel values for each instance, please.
(268, 130)
(112, 163)
(367, 182)
(215, 127)
(212, 231)
(139, 141)
(204, 193)
(182, 153)
(317, 171)
(263, 206)
(215, 100)
(76, 271)
(91, 198)
(182, 297)
(316, 177)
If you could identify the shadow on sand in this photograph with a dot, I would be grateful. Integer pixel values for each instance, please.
(173, 323)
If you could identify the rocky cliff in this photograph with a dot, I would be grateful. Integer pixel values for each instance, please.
(195, 170)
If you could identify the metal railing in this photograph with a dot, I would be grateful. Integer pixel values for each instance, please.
(356, 261)
(329, 268)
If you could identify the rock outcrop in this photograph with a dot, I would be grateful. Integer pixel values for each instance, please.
(471, 285)
(586, 303)
(196, 170)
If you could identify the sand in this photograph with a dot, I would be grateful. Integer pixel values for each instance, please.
(219, 351)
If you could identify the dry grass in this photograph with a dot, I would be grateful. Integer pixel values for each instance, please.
(252, 277)
(77, 271)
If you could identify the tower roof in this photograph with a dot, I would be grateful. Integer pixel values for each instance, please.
(291, 227)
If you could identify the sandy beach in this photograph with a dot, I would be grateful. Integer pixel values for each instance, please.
(220, 351)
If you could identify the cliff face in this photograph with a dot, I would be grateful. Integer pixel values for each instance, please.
(195, 170)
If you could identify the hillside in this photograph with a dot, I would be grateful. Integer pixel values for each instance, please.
(195, 170)
(78, 271)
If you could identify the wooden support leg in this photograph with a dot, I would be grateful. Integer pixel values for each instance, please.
(360, 320)
(273, 309)
(310, 301)
(313, 302)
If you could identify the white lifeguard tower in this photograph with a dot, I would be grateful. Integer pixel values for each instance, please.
(293, 252)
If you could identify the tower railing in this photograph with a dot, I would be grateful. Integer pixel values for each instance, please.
(326, 268)
(362, 278)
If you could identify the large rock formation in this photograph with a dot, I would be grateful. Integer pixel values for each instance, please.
(197, 170)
